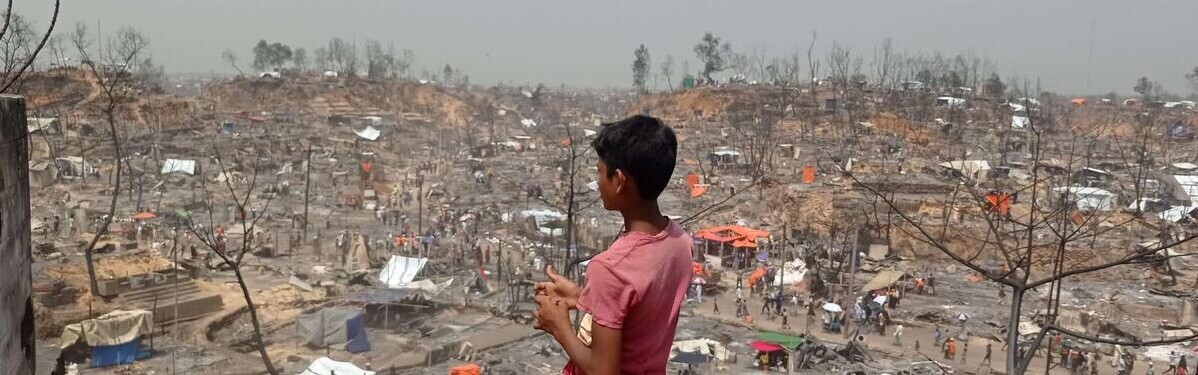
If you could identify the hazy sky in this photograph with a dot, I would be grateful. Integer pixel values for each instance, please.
(590, 43)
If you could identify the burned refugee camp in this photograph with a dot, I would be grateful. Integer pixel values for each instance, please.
(661, 187)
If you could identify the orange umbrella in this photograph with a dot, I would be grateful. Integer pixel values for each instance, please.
(144, 216)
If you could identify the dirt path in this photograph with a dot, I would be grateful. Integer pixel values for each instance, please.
(969, 362)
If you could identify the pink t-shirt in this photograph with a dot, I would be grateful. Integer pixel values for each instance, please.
(637, 286)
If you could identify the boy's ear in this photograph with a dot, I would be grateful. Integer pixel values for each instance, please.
(621, 181)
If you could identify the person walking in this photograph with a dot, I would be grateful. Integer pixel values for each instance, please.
(986, 358)
(965, 352)
(950, 349)
(1174, 359)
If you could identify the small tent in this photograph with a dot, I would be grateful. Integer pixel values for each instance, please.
(333, 326)
(115, 337)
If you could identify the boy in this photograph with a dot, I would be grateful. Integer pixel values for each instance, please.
(636, 287)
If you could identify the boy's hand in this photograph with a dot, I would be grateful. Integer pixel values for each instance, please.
(559, 288)
(552, 314)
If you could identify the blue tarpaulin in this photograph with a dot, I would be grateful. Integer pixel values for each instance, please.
(356, 331)
(335, 326)
(103, 356)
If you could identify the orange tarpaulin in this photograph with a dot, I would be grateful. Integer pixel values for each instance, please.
(692, 185)
(144, 216)
(731, 233)
(467, 369)
(366, 166)
(697, 267)
(999, 202)
(1079, 102)
(756, 275)
(808, 174)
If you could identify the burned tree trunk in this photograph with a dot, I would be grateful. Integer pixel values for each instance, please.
(16, 280)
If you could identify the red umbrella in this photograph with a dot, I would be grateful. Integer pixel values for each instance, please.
(144, 216)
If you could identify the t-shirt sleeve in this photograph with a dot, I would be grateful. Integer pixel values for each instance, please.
(607, 297)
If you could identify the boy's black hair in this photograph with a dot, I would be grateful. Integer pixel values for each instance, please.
(641, 146)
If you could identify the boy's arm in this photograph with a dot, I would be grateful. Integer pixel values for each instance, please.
(601, 358)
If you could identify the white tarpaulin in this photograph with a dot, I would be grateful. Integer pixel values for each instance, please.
(1020, 122)
(1089, 198)
(974, 169)
(327, 366)
(792, 273)
(401, 270)
(370, 133)
(1175, 214)
(546, 221)
(706, 347)
(1189, 184)
(179, 166)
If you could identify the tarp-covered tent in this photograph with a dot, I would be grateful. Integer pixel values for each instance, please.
(883, 279)
(327, 366)
(332, 326)
(401, 270)
(115, 337)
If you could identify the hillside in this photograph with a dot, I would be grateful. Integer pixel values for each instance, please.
(340, 97)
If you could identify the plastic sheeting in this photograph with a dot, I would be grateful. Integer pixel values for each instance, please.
(975, 169)
(401, 270)
(792, 273)
(1089, 198)
(327, 366)
(179, 166)
(114, 328)
(544, 220)
(112, 355)
(883, 279)
(1020, 122)
(332, 326)
(707, 347)
(370, 133)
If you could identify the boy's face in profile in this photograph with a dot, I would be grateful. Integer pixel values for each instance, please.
(609, 187)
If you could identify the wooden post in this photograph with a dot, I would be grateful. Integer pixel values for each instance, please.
(307, 188)
(16, 279)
